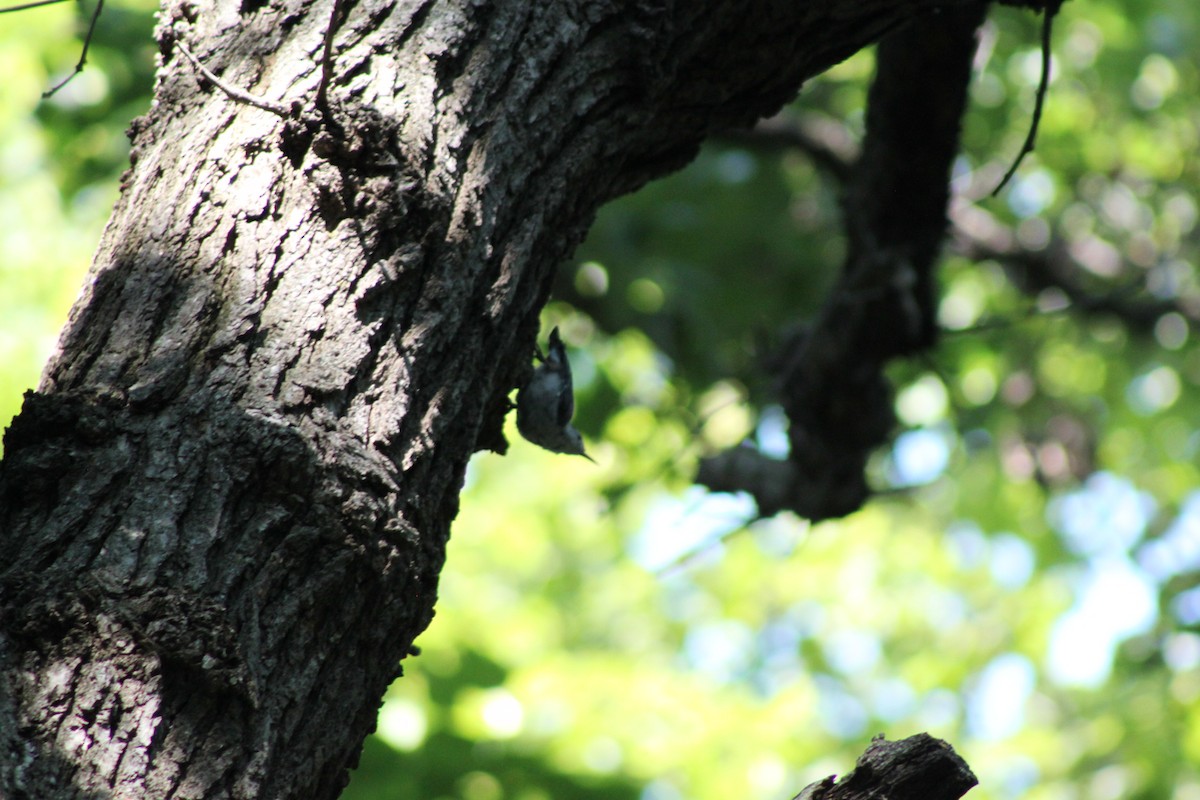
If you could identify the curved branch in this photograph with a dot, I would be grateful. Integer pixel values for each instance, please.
(225, 510)
(831, 375)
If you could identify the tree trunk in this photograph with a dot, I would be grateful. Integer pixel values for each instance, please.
(224, 511)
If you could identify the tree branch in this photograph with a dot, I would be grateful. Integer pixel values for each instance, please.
(917, 768)
(254, 433)
(828, 143)
(1048, 13)
(87, 42)
(831, 374)
(27, 6)
(979, 236)
(976, 234)
(240, 95)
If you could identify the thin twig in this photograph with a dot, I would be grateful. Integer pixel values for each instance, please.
(825, 142)
(327, 56)
(29, 5)
(87, 41)
(1047, 21)
(237, 94)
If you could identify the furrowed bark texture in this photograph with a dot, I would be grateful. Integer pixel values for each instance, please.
(224, 511)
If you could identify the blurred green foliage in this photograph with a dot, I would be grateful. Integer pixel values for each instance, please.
(59, 161)
(1024, 586)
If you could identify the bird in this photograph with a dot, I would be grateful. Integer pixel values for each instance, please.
(546, 403)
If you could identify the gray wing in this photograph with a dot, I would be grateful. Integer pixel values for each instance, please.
(566, 399)
(557, 356)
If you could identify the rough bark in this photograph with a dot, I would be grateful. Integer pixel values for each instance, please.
(917, 768)
(224, 510)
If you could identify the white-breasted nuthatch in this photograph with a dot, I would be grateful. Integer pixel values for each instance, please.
(546, 403)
